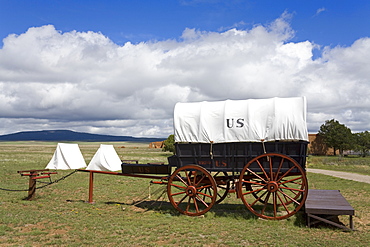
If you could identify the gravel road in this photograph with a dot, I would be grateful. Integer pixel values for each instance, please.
(344, 175)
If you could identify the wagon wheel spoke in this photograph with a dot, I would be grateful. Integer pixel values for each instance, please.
(254, 182)
(256, 175)
(182, 199)
(188, 204)
(178, 193)
(204, 195)
(182, 180)
(201, 200)
(291, 198)
(196, 205)
(263, 170)
(278, 197)
(255, 187)
(179, 186)
(271, 172)
(284, 186)
(194, 182)
(291, 190)
(286, 173)
(296, 187)
(259, 198)
(292, 180)
(192, 190)
(265, 202)
(282, 203)
(205, 192)
(223, 185)
(200, 180)
(279, 168)
(207, 187)
(252, 191)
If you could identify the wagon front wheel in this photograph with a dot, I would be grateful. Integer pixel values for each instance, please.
(192, 190)
(273, 186)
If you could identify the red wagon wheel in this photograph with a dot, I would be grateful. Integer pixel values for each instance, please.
(273, 186)
(192, 190)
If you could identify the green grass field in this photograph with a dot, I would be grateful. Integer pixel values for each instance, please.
(354, 164)
(124, 215)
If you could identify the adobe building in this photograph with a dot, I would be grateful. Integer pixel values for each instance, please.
(317, 146)
(156, 144)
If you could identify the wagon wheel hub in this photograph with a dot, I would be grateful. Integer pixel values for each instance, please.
(191, 191)
(272, 186)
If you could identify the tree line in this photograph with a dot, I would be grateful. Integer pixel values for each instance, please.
(340, 137)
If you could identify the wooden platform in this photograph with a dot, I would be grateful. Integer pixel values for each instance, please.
(324, 205)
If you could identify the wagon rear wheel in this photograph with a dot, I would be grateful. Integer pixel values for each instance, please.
(273, 186)
(192, 190)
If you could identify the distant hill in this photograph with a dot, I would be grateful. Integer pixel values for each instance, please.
(68, 135)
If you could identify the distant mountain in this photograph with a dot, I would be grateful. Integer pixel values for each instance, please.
(68, 135)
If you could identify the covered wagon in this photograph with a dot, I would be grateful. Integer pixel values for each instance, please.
(255, 148)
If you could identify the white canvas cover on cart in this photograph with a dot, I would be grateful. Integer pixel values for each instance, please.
(105, 159)
(252, 120)
(67, 156)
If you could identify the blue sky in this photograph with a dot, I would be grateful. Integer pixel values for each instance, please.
(119, 67)
(324, 22)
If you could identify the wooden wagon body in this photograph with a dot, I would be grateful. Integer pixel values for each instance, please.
(232, 157)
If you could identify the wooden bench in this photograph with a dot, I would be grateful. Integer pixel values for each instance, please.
(324, 205)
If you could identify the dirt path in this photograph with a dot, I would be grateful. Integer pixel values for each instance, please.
(344, 175)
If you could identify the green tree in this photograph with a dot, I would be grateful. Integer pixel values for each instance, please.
(362, 141)
(336, 135)
(169, 144)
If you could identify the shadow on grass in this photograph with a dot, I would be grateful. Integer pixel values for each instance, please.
(236, 211)
(224, 209)
(300, 219)
(218, 210)
(323, 225)
(78, 201)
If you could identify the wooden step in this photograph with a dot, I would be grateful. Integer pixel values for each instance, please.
(323, 205)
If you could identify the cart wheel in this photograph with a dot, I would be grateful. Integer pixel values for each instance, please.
(273, 186)
(192, 190)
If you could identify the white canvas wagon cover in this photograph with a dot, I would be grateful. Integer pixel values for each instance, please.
(252, 120)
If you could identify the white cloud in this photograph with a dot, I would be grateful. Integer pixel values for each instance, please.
(320, 10)
(85, 82)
